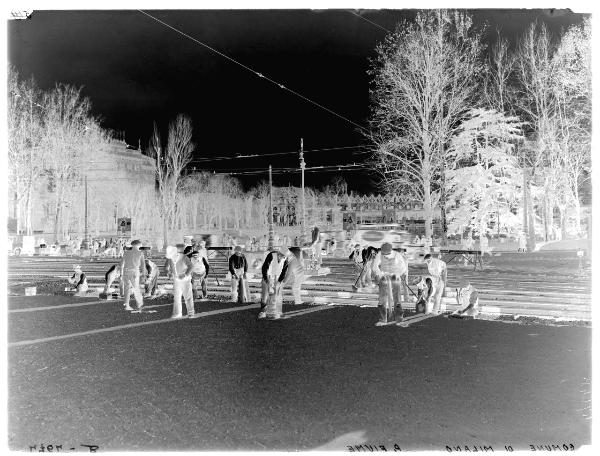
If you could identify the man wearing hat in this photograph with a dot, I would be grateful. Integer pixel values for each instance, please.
(79, 281)
(368, 256)
(152, 274)
(238, 267)
(179, 267)
(356, 257)
(425, 293)
(391, 270)
(438, 272)
(292, 273)
(467, 299)
(271, 269)
(199, 257)
(133, 271)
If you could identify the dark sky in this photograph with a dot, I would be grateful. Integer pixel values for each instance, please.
(137, 71)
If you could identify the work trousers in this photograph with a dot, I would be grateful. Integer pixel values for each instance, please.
(183, 287)
(151, 283)
(366, 279)
(391, 290)
(235, 285)
(273, 306)
(439, 287)
(82, 290)
(199, 280)
(295, 282)
(131, 283)
(266, 289)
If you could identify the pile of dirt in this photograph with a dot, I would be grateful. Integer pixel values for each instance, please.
(528, 320)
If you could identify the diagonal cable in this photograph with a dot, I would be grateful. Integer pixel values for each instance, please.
(260, 75)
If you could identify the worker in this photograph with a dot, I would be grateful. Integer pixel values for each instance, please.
(238, 267)
(152, 274)
(438, 271)
(200, 269)
(467, 299)
(133, 271)
(425, 293)
(391, 271)
(356, 257)
(292, 274)
(113, 273)
(271, 270)
(368, 256)
(79, 281)
(180, 270)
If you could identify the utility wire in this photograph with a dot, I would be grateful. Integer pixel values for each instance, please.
(370, 22)
(209, 159)
(260, 75)
(257, 171)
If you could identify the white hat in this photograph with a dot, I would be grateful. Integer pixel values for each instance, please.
(171, 252)
(76, 267)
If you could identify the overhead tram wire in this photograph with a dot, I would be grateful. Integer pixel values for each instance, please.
(247, 172)
(260, 75)
(370, 22)
(209, 159)
(314, 169)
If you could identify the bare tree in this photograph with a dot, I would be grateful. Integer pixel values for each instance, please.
(499, 71)
(426, 80)
(24, 139)
(573, 94)
(536, 104)
(554, 97)
(70, 135)
(170, 164)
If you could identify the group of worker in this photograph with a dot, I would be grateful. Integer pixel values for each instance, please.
(280, 268)
(389, 269)
(188, 267)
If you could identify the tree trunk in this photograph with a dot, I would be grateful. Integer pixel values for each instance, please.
(525, 203)
(562, 219)
(444, 220)
(58, 211)
(577, 207)
(427, 209)
(530, 219)
(545, 218)
(17, 207)
(29, 210)
(165, 230)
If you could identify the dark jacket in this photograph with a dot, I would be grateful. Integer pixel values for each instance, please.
(206, 266)
(266, 264)
(369, 253)
(111, 270)
(81, 279)
(237, 262)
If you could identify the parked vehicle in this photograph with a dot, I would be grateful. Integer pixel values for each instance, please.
(378, 234)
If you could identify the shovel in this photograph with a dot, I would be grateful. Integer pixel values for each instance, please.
(354, 287)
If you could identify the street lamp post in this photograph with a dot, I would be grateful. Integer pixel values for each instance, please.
(302, 166)
(271, 233)
(85, 236)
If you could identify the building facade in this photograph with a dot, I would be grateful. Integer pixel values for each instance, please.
(111, 171)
